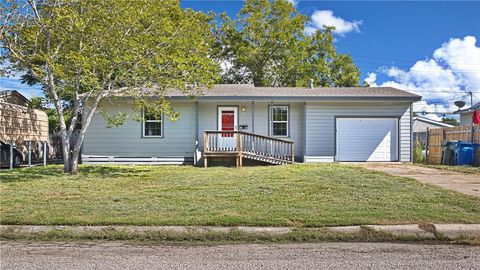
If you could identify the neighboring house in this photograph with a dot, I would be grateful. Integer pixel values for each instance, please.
(19, 124)
(466, 114)
(13, 97)
(420, 125)
(325, 124)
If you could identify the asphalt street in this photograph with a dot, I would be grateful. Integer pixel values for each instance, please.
(118, 255)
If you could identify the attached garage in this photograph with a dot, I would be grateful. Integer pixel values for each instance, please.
(374, 131)
(366, 139)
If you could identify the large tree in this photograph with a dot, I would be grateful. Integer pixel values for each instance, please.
(266, 45)
(82, 52)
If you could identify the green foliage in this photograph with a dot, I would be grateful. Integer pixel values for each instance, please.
(104, 48)
(35, 103)
(451, 121)
(53, 121)
(418, 156)
(157, 108)
(267, 45)
(116, 120)
(81, 52)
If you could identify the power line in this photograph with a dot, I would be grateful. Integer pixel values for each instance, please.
(455, 98)
(440, 91)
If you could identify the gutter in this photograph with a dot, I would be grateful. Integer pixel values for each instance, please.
(294, 98)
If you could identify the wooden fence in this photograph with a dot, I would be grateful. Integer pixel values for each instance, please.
(460, 133)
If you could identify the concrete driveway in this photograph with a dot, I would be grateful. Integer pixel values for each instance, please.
(461, 182)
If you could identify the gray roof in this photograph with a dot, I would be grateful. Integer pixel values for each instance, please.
(431, 121)
(4, 93)
(249, 91)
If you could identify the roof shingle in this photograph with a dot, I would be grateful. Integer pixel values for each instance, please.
(250, 91)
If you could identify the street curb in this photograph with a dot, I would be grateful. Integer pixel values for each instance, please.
(455, 231)
(404, 230)
(434, 231)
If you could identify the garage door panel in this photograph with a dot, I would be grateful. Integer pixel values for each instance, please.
(367, 139)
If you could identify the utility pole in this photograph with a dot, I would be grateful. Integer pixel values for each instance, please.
(471, 98)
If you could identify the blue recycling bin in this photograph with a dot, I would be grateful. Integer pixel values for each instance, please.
(465, 153)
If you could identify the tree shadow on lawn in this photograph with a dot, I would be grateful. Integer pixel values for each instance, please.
(112, 171)
(56, 172)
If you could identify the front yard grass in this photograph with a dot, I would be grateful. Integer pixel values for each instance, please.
(295, 195)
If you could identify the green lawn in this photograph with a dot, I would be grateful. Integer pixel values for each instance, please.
(295, 195)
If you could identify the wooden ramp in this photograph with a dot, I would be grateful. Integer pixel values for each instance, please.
(240, 145)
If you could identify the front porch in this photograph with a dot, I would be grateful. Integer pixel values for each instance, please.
(243, 133)
(240, 144)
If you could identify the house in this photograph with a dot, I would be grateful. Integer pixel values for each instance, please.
(420, 125)
(13, 97)
(324, 124)
(466, 114)
(22, 126)
(19, 123)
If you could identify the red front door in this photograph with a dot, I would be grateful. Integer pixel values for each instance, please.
(228, 122)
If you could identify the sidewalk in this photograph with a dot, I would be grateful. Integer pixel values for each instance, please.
(409, 231)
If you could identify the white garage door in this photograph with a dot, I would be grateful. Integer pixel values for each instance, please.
(367, 139)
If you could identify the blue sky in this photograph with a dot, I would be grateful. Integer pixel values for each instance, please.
(428, 47)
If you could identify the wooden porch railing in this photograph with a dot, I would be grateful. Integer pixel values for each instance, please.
(240, 144)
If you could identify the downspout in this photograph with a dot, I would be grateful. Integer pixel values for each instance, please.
(304, 137)
(411, 133)
(196, 150)
(253, 116)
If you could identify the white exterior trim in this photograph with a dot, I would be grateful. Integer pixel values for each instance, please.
(318, 159)
(271, 121)
(235, 116)
(151, 121)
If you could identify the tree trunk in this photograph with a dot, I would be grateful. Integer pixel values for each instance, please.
(74, 162)
(81, 136)
(66, 151)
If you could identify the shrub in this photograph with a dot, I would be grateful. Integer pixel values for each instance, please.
(418, 156)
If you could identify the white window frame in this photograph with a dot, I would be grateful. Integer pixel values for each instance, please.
(272, 121)
(151, 121)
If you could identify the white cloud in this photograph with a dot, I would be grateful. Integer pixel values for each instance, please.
(453, 70)
(371, 78)
(321, 18)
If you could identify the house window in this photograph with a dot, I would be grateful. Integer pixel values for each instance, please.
(279, 121)
(152, 125)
